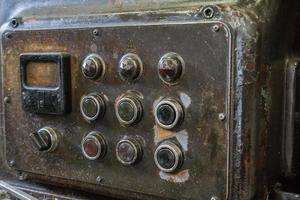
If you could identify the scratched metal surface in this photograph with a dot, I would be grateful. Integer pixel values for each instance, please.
(203, 90)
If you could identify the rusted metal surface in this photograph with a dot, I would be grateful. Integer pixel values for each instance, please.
(203, 91)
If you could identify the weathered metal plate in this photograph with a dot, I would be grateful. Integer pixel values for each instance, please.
(204, 91)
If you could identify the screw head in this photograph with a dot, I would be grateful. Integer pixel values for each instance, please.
(95, 32)
(14, 23)
(222, 116)
(99, 180)
(6, 99)
(216, 28)
(11, 163)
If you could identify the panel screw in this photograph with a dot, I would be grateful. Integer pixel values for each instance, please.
(95, 32)
(14, 23)
(214, 198)
(222, 116)
(22, 176)
(11, 163)
(99, 180)
(216, 28)
(6, 99)
(8, 35)
(208, 12)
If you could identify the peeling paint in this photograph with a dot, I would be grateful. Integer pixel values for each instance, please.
(180, 177)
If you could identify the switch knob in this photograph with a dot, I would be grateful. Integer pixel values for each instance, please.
(128, 110)
(45, 139)
(171, 68)
(93, 67)
(128, 151)
(92, 106)
(94, 146)
(130, 67)
(168, 113)
(168, 157)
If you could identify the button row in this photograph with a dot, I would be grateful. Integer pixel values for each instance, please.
(168, 112)
(170, 67)
(168, 156)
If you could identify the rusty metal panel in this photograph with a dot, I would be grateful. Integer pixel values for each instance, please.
(203, 90)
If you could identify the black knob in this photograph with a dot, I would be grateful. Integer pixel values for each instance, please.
(130, 67)
(128, 110)
(128, 151)
(169, 113)
(92, 106)
(168, 157)
(171, 68)
(45, 139)
(94, 146)
(93, 67)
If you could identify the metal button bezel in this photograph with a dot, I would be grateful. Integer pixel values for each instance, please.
(100, 143)
(137, 106)
(99, 63)
(178, 112)
(53, 138)
(177, 153)
(137, 148)
(100, 104)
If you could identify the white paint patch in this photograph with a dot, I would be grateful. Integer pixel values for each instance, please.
(180, 177)
(183, 139)
(94, 48)
(185, 99)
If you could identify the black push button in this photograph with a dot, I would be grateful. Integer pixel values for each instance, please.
(92, 106)
(128, 110)
(168, 157)
(168, 113)
(170, 68)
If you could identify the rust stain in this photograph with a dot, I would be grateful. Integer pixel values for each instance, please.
(161, 134)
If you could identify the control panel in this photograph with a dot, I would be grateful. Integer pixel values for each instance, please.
(137, 108)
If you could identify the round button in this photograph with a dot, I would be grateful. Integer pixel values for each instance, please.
(128, 151)
(92, 106)
(130, 67)
(171, 68)
(168, 157)
(93, 67)
(168, 113)
(128, 110)
(94, 146)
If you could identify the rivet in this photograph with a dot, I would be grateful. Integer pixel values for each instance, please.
(8, 35)
(222, 116)
(208, 12)
(214, 198)
(14, 23)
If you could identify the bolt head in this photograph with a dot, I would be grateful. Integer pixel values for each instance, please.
(222, 116)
